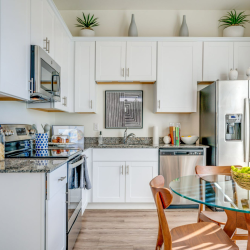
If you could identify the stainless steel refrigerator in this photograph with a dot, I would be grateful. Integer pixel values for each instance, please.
(224, 122)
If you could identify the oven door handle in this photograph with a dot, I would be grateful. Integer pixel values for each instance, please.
(76, 164)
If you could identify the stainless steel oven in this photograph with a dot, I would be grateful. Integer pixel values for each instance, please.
(44, 76)
(74, 204)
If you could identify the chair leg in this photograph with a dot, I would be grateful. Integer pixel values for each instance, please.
(159, 239)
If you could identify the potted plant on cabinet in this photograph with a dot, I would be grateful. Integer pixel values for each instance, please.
(234, 24)
(87, 24)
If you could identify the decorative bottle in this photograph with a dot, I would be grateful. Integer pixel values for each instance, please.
(184, 28)
(100, 139)
(132, 28)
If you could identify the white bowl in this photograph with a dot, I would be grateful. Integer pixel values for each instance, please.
(189, 140)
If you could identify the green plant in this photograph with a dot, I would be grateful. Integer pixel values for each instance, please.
(87, 22)
(234, 19)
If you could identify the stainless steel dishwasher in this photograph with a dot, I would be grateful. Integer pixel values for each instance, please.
(177, 162)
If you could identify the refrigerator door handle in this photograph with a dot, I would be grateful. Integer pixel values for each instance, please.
(246, 132)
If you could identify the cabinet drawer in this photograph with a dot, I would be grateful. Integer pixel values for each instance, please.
(128, 154)
(56, 180)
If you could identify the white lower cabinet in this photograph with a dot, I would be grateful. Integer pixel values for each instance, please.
(56, 221)
(109, 182)
(124, 181)
(138, 176)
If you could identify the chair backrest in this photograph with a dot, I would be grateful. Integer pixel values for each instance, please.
(214, 170)
(163, 198)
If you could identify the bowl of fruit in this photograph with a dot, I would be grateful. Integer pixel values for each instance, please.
(241, 176)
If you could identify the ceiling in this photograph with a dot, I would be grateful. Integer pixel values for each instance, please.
(152, 4)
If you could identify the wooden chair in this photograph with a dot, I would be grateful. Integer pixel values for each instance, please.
(203, 235)
(219, 218)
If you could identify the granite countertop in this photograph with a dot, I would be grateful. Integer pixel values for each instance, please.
(90, 145)
(22, 165)
(47, 165)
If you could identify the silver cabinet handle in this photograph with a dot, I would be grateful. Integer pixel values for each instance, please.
(127, 167)
(122, 169)
(122, 71)
(62, 178)
(31, 85)
(91, 104)
(64, 101)
(127, 71)
(159, 104)
(46, 44)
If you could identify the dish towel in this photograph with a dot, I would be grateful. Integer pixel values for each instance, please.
(84, 179)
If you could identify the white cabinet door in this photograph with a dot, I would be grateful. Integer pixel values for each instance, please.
(15, 48)
(218, 59)
(48, 28)
(109, 182)
(85, 86)
(61, 57)
(242, 58)
(56, 221)
(36, 25)
(110, 61)
(58, 42)
(141, 61)
(138, 176)
(179, 70)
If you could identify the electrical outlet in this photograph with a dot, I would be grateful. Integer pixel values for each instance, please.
(96, 127)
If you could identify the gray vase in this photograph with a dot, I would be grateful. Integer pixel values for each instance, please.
(184, 28)
(132, 31)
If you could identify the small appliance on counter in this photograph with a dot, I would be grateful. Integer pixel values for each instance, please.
(70, 135)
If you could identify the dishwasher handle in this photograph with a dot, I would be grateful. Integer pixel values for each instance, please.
(176, 153)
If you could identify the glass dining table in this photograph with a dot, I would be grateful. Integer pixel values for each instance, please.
(219, 191)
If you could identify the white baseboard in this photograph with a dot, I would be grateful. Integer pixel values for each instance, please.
(121, 206)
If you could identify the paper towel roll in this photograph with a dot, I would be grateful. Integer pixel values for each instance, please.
(155, 136)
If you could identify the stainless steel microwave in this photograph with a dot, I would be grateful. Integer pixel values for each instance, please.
(45, 85)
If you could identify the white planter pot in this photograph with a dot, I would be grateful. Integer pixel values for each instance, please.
(87, 32)
(234, 31)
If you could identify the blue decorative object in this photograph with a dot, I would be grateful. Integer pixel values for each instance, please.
(42, 140)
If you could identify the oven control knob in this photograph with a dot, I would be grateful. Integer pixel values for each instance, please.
(11, 132)
(32, 132)
(6, 132)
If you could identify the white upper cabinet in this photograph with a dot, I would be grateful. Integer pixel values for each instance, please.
(126, 61)
(36, 25)
(141, 61)
(58, 42)
(85, 93)
(242, 58)
(48, 29)
(110, 61)
(62, 57)
(138, 176)
(179, 70)
(15, 48)
(218, 59)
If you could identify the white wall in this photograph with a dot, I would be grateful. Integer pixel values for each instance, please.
(189, 122)
(16, 113)
(201, 23)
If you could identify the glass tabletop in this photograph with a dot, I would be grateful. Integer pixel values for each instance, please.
(213, 190)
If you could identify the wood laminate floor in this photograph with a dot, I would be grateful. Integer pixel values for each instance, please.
(128, 230)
